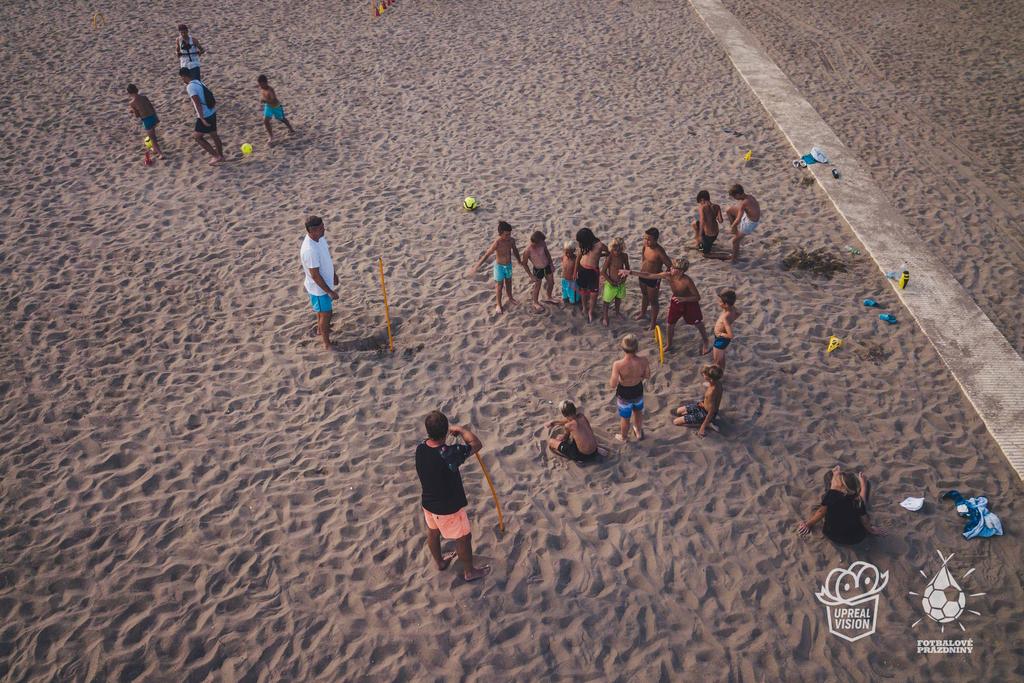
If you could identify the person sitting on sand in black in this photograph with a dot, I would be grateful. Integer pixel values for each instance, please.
(844, 507)
(576, 441)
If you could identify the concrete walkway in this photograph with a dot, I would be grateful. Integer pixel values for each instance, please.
(989, 371)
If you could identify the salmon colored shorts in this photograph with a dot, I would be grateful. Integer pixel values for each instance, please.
(451, 526)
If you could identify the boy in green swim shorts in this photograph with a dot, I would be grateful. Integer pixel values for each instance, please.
(503, 249)
(272, 108)
(614, 281)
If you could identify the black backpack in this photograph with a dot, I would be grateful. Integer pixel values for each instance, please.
(211, 101)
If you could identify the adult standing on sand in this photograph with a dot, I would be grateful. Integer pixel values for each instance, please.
(188, 50)
(318, 268)
(205, 107)
(744, 217)
(444, 499)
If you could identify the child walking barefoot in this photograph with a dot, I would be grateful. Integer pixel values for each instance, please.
(272, 108)
(503, 249)
(538, 258)
(143, 110)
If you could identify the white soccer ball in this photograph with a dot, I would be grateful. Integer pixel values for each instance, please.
(943, 604)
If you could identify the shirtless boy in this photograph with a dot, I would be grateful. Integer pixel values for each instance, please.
(653, 259)
(703, 413)
(538, 259)
(614, 283)
(628, 375)
(570, 294)
(744, 217)
(577, 441)
(723, 327)
(503, 249)
(706, 222)
(588, 271)
(685, 302)
(272, 108)
(143, 109)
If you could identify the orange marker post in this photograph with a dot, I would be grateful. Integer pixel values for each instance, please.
(494, 494)
(387, 314)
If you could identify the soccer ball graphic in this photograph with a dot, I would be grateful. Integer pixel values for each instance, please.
(943, 600)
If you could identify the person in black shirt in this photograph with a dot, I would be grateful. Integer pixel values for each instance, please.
(444, 500)
(844, 507)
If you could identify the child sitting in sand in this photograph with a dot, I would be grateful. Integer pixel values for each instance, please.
(504, 248)
(538, 258)
(844, 507)
(570, 295)
(614, 281)
(703, 413)
(272, 108)
(577, 441)
(143, 109)
(723, 327)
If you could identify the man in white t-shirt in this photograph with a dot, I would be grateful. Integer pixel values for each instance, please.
(206, 115)
(188, 50)
(318, 268)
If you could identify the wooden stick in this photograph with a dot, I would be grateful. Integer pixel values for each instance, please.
(497, 505)
(387, 314)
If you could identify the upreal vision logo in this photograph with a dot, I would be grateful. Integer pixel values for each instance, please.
(850, 597)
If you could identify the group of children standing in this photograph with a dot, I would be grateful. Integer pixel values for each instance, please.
(591, 269)
(203, 103)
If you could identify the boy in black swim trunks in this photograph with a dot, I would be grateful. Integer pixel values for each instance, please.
(537, 260)
(577, 442)
(653, 260)
(723, 327)
(706, 222)
(704, 413)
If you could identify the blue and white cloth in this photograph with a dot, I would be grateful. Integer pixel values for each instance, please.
(980, 522)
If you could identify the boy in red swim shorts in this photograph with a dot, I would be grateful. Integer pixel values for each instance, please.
(685, 301)
(444, 499)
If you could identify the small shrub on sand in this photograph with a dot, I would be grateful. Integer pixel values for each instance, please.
(819, 262)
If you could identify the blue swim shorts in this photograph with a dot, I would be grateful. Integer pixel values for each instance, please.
(149, 122)
(569, 291)
(502, 272)
(722, 343)
(627, 408)
(273, 112)
(321, 304)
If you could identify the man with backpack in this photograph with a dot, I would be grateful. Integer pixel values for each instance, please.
(205, 107)
(188, 49)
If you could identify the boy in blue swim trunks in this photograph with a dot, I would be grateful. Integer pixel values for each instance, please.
(723, 327)
(570, 294)
(504, 248)
(272, 108)
(144, 110)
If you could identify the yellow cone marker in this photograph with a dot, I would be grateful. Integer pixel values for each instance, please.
(749, 155)
(834, 343)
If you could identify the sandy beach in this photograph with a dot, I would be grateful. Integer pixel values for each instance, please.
(191, 490)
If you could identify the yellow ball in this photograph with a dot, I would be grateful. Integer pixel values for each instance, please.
(470, 204)
(247, 148)
(149, 142)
